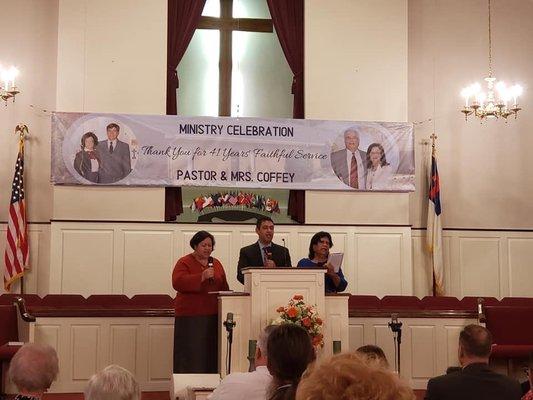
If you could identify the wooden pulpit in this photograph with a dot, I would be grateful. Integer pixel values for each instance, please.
(266, 289)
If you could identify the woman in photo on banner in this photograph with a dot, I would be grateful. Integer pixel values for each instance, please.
(87, 162)
(379, 171)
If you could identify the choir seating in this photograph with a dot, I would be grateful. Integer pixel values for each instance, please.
(14, 329)
(511, 327)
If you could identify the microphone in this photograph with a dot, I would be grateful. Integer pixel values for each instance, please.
(284, 253)
(480, 314)
(229, 323)
(480, 301)
(394, 324)
(210, 265)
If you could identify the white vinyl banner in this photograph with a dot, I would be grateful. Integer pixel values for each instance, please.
(150, 150)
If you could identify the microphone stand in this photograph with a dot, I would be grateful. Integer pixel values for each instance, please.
(229, 324)
(396, 328)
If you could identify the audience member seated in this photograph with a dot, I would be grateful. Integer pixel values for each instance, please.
(248, 385)
(33, 369)
(112, 383)
(529, 394)
(289, 352)
(349, 376)
(476, 380)
(373, 355)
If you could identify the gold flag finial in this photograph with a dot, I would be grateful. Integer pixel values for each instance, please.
(433, 138)
(22, 130)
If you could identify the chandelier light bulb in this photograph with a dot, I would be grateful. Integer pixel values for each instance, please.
(5, 76)
(501, 87)
(8, 89)
(13, 73)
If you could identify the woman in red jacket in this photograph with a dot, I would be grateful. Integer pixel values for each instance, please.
(196, 323)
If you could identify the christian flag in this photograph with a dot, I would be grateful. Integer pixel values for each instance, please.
(16, 253)
(434, 229)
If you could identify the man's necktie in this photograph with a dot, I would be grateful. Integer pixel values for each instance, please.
(111, 147)
(267, 254)
(354, 180)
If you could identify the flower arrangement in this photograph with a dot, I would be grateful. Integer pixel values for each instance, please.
(304, 315)
(235, 200)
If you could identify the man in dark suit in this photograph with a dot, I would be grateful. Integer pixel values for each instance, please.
(475, 380)
(263, 252)
(114, 157)
(349, 164)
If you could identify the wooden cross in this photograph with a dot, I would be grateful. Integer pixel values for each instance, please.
(226, 24)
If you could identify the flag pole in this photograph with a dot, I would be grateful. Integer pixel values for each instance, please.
(22, 130)
(433, 138)
(434, 227)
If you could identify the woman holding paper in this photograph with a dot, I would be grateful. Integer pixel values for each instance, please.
(196, 309)
(319, 258)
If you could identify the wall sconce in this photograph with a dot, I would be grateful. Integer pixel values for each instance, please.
(8, 89)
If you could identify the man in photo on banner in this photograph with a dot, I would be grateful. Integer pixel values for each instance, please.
(114, 156)
(263, 252)
(349, 164)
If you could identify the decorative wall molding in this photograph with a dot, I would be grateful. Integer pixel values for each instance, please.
(129, 258)
(478, 263)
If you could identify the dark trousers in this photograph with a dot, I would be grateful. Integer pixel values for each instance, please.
(196, 344)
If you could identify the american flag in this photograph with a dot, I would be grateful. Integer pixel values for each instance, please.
(16, 254)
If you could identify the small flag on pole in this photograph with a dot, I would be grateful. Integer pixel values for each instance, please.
(434, 226)
(17, 249)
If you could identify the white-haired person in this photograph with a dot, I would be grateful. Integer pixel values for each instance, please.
(248, 385)
(33, 369)
(112, 383)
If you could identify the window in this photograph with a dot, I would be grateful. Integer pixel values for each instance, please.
(234, 66)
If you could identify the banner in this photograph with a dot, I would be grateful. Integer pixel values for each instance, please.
(149, 150)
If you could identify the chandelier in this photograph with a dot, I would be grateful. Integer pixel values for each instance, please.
(8, 90)
(499, 100)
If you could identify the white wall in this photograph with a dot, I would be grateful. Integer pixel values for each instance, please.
(111, 58)
(29, 41)
(356, 70)
(485, 170)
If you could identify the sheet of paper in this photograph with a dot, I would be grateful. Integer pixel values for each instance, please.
(335, 259)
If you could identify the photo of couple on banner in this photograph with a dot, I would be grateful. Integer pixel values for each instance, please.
(105, 161)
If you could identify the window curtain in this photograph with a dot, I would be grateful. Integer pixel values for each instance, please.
(288, 20)
(183, 17)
